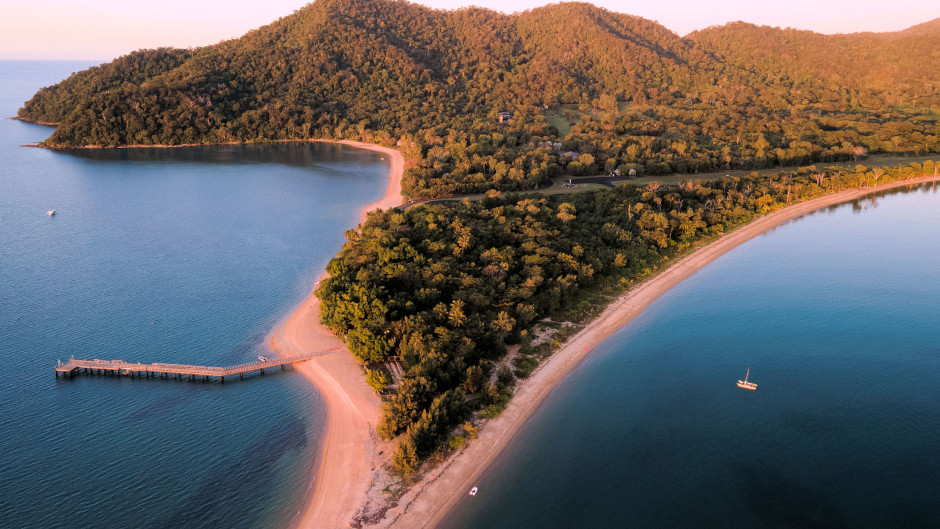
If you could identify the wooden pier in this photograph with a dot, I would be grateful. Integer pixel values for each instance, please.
(75, 366)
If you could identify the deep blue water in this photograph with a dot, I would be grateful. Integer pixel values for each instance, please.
(834, 313)
(173, 255)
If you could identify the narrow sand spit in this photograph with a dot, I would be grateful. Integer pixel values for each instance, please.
(426, 504)
(350, 447)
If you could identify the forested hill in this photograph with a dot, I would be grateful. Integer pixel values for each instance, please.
(900, 67)
(392, 66)
(616, 90)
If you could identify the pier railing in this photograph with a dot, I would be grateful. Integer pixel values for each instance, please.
(74, 366)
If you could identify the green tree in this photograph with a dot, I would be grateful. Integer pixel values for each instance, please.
(405, 459)
(474, 380)
(378, 379)
(456, 314)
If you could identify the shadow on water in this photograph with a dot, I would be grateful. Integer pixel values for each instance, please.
(247, 473)
(171, 401)
(294, 154)
(871, 200)
(248, 350)
(189, 389)
(778, 501)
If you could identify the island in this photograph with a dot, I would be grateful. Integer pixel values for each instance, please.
(563, 167)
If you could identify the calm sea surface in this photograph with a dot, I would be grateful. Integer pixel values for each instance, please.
(172, 255)
(835, 314)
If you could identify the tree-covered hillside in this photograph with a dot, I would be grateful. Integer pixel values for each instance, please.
(588, 90)
(383, 65)
(897, 68)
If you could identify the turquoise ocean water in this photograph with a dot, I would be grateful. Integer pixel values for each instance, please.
(835, 314)
(167, 255)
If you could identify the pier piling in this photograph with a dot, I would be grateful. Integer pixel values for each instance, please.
(192, 372)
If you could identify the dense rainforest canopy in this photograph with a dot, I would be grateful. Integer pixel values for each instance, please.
(576, 80)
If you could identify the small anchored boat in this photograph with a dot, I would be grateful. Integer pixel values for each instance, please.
(263, 359)
(51, 212)
(473, 491)
(744, 384)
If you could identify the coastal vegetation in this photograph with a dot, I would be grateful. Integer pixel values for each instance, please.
(446, 288)
(493, 104)
(584, 90)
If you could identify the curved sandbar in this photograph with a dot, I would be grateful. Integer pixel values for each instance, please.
(350, 446)
(426, 504)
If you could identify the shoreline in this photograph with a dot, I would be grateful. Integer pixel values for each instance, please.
(427, 503)
(350, 447)
(40, 145)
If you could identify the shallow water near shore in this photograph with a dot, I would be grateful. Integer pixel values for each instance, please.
(835, 314)
(188, 255)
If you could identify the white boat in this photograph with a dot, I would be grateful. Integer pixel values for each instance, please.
(263, 359)
(473, 491)
(51, 212)
(744, 384)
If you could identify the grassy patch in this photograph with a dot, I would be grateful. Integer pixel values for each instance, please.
(559, 122)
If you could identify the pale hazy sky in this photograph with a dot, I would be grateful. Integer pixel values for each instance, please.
(104, 29)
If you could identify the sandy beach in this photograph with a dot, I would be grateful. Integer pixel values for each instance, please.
(352, 451)
(427, 503)
(350, 446)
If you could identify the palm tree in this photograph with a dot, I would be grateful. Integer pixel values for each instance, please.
(456, 314)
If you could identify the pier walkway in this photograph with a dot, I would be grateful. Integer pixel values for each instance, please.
(74, 366)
